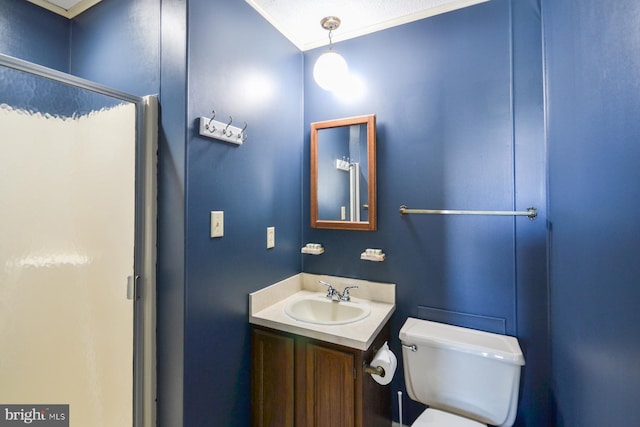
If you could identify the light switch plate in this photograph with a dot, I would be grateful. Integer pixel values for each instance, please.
(217, 223)
(271, 237)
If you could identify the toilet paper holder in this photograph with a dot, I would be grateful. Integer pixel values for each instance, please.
(374, 370)
(383, 365)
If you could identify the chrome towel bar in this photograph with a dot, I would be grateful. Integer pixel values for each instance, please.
(532, 213)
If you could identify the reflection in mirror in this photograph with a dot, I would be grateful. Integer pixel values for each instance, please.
(342, 173)
(343, 179)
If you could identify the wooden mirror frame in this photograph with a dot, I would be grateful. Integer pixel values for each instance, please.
(371, 223)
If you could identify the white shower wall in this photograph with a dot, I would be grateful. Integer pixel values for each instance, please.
(67, 189)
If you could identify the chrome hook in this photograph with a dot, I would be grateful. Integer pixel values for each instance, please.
(242, 135)
(226, 130)
(209, 126)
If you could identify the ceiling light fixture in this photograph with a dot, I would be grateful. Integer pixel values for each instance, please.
(330, 69)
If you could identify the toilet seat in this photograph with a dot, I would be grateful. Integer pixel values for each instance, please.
(437, 418)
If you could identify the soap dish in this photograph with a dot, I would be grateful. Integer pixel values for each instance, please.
(312, 249)
(372, 255)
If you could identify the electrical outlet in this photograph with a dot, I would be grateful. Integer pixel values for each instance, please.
(271, 237)
(217, 223)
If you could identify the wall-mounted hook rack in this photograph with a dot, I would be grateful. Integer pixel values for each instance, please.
(212, 128)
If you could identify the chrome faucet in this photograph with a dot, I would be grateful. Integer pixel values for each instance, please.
(334, 295)
(345, 293)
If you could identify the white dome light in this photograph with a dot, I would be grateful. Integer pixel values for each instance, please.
(330, 70)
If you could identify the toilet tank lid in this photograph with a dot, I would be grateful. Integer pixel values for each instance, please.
(503, 348)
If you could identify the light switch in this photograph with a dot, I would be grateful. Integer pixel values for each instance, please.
(217, 223)
(271, 237)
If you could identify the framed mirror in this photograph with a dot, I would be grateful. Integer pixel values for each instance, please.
(343, 173)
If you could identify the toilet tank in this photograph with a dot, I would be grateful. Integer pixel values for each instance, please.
(464, 371)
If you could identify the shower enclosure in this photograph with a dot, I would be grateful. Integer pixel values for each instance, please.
(77, 248)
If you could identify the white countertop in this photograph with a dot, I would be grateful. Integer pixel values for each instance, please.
(266, 308)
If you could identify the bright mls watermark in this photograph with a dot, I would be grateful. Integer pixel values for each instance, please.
(35, 415)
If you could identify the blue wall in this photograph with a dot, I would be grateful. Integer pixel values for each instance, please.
(34, 34)
(242, 67)
(593, 105)
(171, 212)
(460, 126)
(117, 43)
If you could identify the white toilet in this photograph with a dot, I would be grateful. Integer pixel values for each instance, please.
(468, 378)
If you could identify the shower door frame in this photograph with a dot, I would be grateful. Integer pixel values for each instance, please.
(143, 289)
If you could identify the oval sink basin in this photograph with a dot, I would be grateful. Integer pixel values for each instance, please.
(322, 311)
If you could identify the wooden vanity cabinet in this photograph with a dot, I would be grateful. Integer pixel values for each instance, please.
(272, 379)
(302, 382)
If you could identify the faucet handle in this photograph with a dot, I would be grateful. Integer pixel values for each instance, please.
(325, 284)
(330, 291)
(345, 293)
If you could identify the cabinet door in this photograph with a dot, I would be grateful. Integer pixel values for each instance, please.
(330, 387)
(272, 379)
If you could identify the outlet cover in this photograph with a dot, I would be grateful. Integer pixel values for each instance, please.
(217, 223)
(271, 237)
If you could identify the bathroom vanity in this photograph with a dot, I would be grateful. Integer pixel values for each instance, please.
(312, 374)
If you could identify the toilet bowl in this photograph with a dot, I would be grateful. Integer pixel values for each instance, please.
(468, 378)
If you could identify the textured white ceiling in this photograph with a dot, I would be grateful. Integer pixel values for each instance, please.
(65, 4)
(299, 20)
(66, 8)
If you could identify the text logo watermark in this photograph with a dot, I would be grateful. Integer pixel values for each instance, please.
(34, 415)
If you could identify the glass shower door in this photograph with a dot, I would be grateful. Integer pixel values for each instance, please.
(67, 231)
